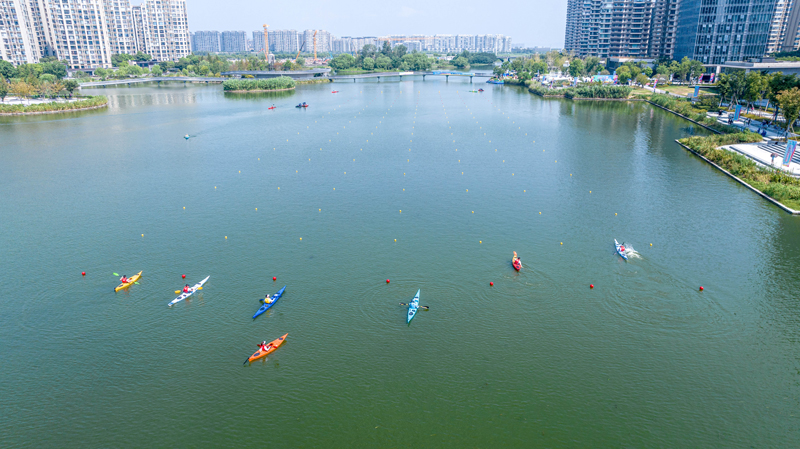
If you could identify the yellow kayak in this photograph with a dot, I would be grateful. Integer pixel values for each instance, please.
(133, 279)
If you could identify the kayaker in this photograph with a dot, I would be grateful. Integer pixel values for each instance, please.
(186, 288)
(124, 279)
(264, 346)
(622, 248)
(268, 300)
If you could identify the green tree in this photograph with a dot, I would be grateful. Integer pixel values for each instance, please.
(754, 86)
(301, 61)
(623, 74)
(156, 70)
(779, 82)
(368, 51)
(723, 87)
(368, 63)
(3, 89)
(21, 89)
(47, 78)
(101, 72)
(593, 65)
(696, 68)
(70, 86)
(383, 62)
(648, 72)
(399, 51)
(120, 59)
(342, 61)
(55, 68)
(789, 100)
(29, 70)
(143, 57)
(386, 50)
(576, 68)
(7, 70)
(642, 79)
(461, 62)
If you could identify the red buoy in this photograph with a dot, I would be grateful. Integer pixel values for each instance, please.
(387, 281)
(491, 284)
(591, 285)
(274, 278)
(183, 276)
(701, 288)
(83, 273)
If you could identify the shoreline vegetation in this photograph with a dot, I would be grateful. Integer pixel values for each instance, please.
(281, 83)
(94, 102)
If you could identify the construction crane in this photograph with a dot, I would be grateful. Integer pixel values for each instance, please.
(298, 51)
(266, 43)
(315, 46)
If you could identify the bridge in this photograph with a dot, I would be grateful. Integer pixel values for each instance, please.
(294, 74)
(400, 75)
(154, 79)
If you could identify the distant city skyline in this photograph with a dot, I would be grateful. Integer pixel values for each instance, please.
(535, 24)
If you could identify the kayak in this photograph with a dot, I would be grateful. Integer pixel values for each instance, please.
(272, 346)
(273, 107)
(266, 306)
(131, 280)
(516, 263)
(412, 308)
(621, 253)
(189, 293)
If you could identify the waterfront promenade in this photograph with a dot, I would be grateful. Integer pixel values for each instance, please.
(155, 79)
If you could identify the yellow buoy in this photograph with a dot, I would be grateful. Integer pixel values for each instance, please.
(142, 235)
(473, 212)
(256, 208)
(615, 213)
(651, 244)
(395, 240)
(184, 207)
(562, 243)
(480, 241)
(401, 211)
(226, 237)
(301, 238)
(320, 210)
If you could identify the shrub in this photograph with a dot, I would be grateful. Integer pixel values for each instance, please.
(281, 82)
(44, 107)
(595, 91)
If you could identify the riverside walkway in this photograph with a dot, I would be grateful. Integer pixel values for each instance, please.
(400, 75)
(155, 79)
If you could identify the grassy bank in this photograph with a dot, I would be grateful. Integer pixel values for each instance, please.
(318, 80)
(84, 103)
(594, 92)
(263, 85)
(774, 183)
(685, 108)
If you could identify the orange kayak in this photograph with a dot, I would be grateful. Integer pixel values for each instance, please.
(272, 346)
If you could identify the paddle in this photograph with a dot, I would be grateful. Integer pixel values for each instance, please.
(422, 307)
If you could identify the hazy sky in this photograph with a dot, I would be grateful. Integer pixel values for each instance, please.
(535, 22)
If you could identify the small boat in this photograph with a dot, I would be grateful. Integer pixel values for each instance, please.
(266, 306)
(130, 282)
(271, 107)
(412, 308)
(186, 137)
(515, 262)
(272, 346)
(189, 293)
(495, 81)
(335, 92)
(480, 90)
(620, 249)
(474, 91)
(302, 105)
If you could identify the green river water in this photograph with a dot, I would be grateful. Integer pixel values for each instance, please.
(317, 197)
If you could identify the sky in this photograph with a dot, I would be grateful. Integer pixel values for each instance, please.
(534, 23)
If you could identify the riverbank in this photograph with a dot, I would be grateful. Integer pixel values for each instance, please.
(95, 102)
(247, 91)
(281, 83)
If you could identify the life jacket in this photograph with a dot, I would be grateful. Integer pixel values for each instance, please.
(186, 289)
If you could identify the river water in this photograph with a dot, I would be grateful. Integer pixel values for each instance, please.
(322, 199)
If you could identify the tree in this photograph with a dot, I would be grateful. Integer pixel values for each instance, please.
(47, 78)
(386, 50)
(383, 62)
(368, 51)
(21, 89)
(754, 86)
(70, 86)
(143, 57)
(576, 68)
(342, 61)
(287, 64)
(3, 89)
(623, 74)
(642, 79)
(592, 64)
(156, 70)
(723, 87)
(779, 82)
(789, 100)
(27, 70)
(301, 61)
(120, 59)
(399, 52)
(7, 70)
(648, 72)
(368, 63)
(461, 62)
(55, 68)
(696, 68)
(101, 72)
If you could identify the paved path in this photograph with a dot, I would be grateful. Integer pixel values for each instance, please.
(186, 79)
(752, 125)
(762, 153)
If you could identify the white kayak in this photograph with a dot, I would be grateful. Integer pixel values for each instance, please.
(189, 293)
(413, 306)
(619, 250)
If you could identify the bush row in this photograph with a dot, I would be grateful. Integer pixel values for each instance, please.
(281, 82)
(87, 102)
(775, 183)
(685, 108)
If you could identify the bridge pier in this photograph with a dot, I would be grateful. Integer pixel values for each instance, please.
(423, 77)
(470, 80)
(446, 78)
(401, 77)
(379, 79)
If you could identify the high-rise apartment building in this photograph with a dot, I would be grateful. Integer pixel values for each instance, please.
(206, 42)
(783, 33)
(280, 41)
(323, 41)
(234, 41)
(663, 29)
(715, 31)
(605, 28)
(19, 43)
(85, 33)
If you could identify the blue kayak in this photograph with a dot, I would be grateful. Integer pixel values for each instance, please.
(620, 251)
(266, 306)
(413, 306)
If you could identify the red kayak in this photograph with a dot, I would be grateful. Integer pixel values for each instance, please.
(335, 92)
(515, 262)
(271, 107)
